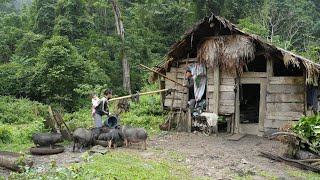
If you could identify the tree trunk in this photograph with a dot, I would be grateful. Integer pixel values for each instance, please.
(120, 30)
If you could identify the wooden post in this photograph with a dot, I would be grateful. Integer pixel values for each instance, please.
(171, 108)
(306, 111)
(180, 117)
(237, 108)
(262, 108)
(54, 128)
(216, 80)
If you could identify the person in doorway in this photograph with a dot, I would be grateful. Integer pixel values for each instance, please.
(102, 108)
(190, 86)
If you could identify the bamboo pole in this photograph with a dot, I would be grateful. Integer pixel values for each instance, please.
(144, 93)
(146, 67)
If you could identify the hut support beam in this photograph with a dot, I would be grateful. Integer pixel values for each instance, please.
(237, 110)
(216, 79)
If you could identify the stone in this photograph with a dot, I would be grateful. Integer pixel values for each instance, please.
(99, 149)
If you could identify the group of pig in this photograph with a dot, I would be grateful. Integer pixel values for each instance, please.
(127, 134)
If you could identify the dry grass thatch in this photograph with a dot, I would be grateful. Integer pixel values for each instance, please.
(312, 71)
(231, 52)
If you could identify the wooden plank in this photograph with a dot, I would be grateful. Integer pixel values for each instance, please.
(176, 103)
(287, 116)
(175, 75)
(210, 95)
(224, 102)
(177, 96)
(227, 81)
(237, 107)
(227, 95)
(210, 72)
(252, 80)
(236, 137)
(169, 83)
(262, 107)
(254, 74)
(285, 88)
(216, 90)
(225, 74)
(287, 80)
(178, 70)
(285, 107)
(210, 88)
(210, 81)
(270, 67)
(285, 97)
(226, 109)
(226, 88)
(225, 105)
(272, 123)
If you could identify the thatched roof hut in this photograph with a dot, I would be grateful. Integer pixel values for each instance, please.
(210, 41)
(258, 85)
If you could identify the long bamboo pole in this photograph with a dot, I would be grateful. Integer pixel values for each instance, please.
(146, 67)
(144, 93)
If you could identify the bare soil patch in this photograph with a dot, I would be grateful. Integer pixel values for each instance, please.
(216, 157)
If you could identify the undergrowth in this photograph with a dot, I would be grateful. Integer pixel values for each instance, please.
(19, 120)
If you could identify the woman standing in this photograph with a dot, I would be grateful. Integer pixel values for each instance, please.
(102, 108)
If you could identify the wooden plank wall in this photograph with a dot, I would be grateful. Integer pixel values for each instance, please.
(285, 100)
(226, 94)
(177, 74)
(210, 88)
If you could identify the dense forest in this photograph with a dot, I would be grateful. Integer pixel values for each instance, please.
(59, 52)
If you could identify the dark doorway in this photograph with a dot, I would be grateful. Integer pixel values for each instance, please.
(249, 103)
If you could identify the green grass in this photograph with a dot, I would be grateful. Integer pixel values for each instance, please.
(16, 147)
(267, 175)
(114, 165)
(303, 174)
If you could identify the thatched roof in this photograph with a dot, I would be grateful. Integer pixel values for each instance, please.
(217, 42)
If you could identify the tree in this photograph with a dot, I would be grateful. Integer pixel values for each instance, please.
(60, 70)
(72, 19)
(120, 30)
(43, 16)
(28, 46)
(9, 36)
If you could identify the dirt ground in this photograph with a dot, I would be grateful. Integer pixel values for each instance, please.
(207, 157)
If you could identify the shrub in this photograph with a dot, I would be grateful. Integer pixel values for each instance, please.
(5, 134)
(27, 130)
(20, 111)
(80, 118)
(309, 128)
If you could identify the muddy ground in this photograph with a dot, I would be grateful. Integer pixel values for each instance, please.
(212, 157)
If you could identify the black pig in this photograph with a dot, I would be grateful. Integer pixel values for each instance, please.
(133, 134)
(82, 138)
(41, 139)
